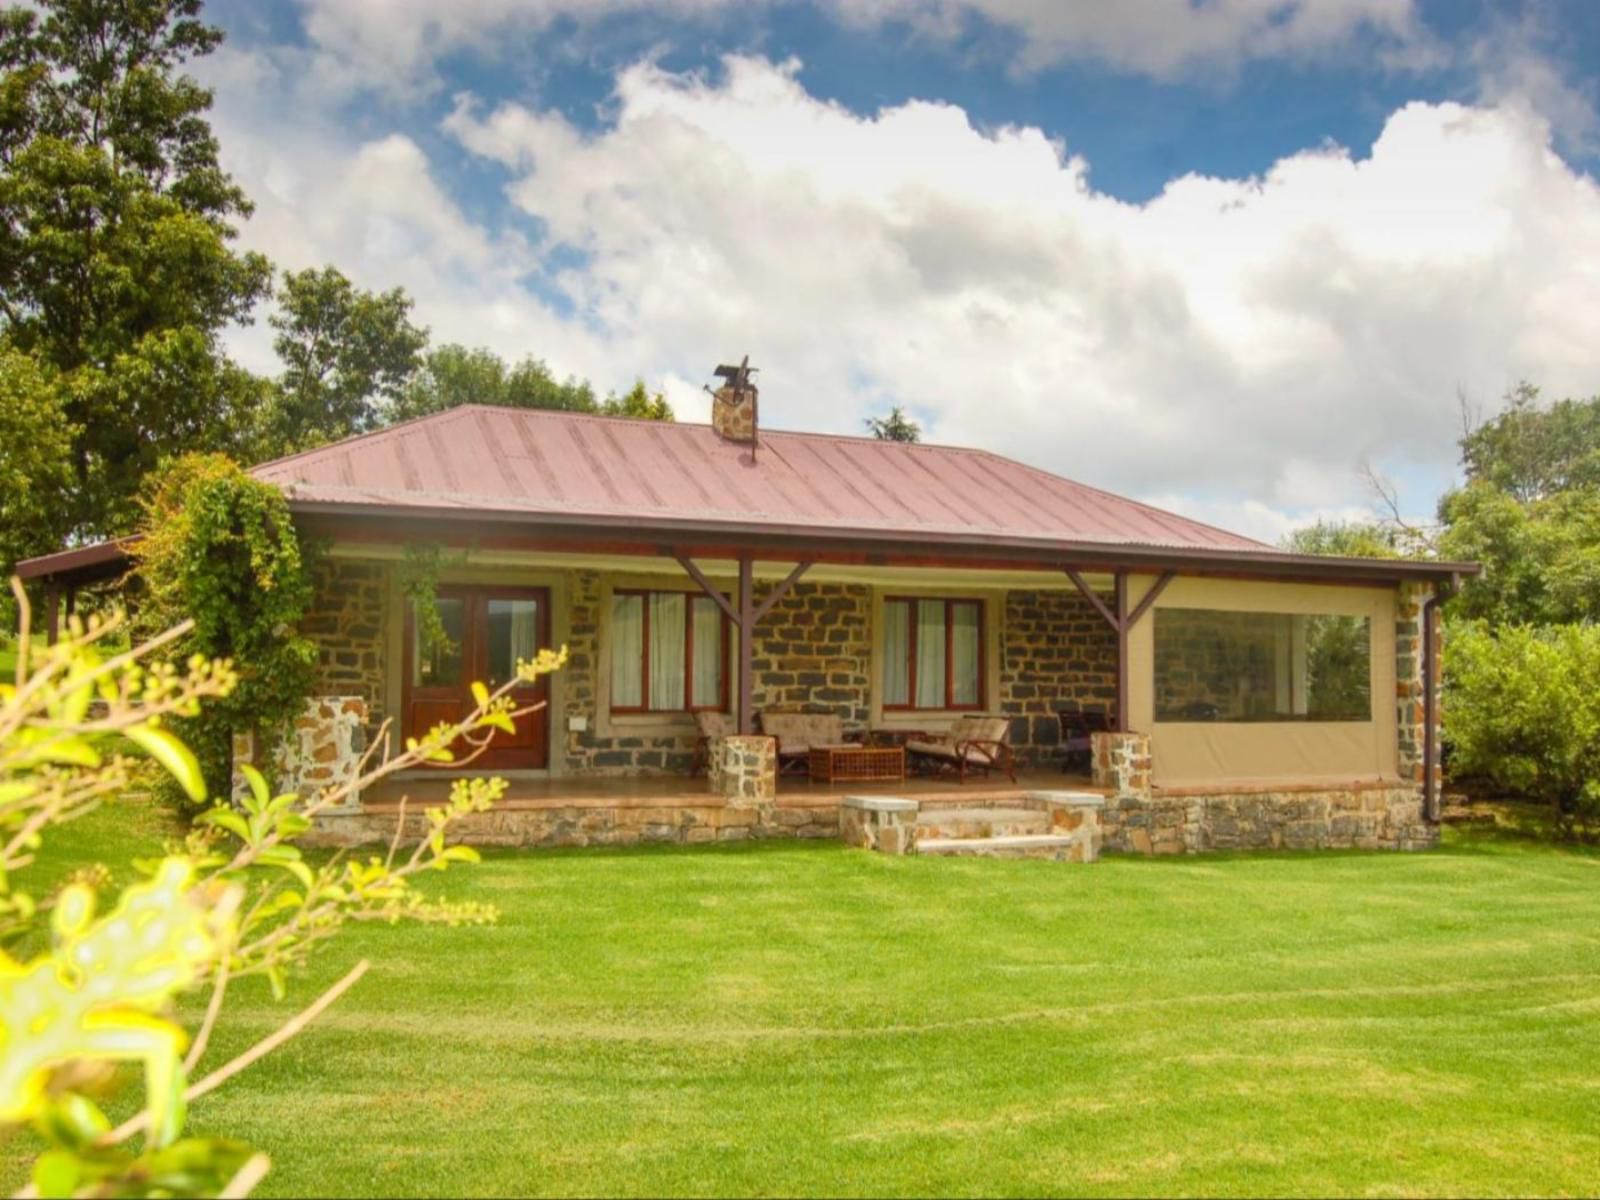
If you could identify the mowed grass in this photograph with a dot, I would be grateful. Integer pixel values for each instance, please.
(803, 1019)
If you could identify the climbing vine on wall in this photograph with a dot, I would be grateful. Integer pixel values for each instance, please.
(219, 547)
(419, 580)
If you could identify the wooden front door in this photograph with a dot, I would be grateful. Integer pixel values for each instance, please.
(490, 630)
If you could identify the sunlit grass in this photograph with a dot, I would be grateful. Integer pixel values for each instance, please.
(789, 1018)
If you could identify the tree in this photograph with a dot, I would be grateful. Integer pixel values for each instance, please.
(347, 357)
(1345, 539)
(896, 427)
(34, 456)
(638, 403)
(1530, 512)
(1524, 709)
(220, 549)
(116, 270)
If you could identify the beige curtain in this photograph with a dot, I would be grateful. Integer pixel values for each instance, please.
(707, 653)
(965, 685)
(930, 653)
(627, 651)
(896, 652)
(667, 616)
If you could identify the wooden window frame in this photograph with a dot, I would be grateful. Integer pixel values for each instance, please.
(644, 709)
(950, 603)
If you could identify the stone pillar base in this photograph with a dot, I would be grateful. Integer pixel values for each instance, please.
(743, 770)
(321, 750)
(1122, 763)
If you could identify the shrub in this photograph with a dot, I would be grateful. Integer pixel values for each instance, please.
(1523, 710)
(219, 548)
(235, 898)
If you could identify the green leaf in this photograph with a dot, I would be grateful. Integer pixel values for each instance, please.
(56, 1173)
(258, 785)
(178, 760)
(280, 984)
(226, 818)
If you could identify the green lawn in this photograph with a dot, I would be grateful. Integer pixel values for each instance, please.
(803, 1019)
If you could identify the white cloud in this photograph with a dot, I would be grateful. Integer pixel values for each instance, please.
(1235, 348)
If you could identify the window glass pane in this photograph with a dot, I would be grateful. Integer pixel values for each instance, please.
(627, 651)
(708, 645)
(513, 636)
(440, 666)
(964, 683)
(896, 652)
(930, 654)
(667, 645)
(1235, 666)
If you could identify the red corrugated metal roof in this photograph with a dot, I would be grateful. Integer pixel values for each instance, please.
(506, 460)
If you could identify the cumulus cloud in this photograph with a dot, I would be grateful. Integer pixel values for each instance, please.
(1234, 347)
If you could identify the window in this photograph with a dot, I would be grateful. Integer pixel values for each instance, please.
(932, 653)
(1246, 666)
(441, 665)
(669, 652)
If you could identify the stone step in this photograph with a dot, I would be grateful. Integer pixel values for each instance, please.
(1061, 847)
(982, 822)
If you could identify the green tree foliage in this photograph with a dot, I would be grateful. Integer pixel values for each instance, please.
(1524, 711)
(896, 427)
(452, 375)
(219, 548)
(116, 270)
(1530, 512)
(1345, 539)
(639, 403)
(34, 455)
(348, 356)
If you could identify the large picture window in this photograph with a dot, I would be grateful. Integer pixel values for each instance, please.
(669, 652)
(1247, 666)
(932, 653)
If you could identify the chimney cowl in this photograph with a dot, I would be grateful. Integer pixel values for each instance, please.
(734, 404)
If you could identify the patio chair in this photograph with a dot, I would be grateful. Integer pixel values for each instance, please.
(973, 743)
(708, 726)
(1077, 744)
(797, 732)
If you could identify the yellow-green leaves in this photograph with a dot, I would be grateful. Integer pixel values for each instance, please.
(176, 758)
(99, 992)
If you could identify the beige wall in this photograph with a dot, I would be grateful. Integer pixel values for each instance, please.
(1208, 752)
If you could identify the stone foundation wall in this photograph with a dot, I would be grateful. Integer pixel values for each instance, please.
(1368, 817)
(348, 617)
(594, 825)
(1056, 652)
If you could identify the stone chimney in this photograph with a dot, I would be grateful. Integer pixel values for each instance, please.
(733, 405)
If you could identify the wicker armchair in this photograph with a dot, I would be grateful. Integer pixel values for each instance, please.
(974, 743)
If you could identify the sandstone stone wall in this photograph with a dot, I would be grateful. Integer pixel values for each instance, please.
(348, 617)
(1056, 652)
(1410, 726)
(322, 750)
(595, 824)
(1367, 817)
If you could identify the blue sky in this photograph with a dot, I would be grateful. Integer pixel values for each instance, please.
(1218, 255)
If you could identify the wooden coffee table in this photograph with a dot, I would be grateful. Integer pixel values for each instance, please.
(857, 764)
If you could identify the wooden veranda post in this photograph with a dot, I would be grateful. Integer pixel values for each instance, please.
(1122, 623)
(745, 617)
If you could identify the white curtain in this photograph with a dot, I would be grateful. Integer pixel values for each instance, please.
(627, 651)
(896, 652)
(667, 615)
(930, 653)
(524, 633)
(707, 652)
(964, 684)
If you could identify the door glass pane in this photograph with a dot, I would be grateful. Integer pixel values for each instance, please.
(930, 654)
(440, 665)
(964, 654)
(896, 652)
(513, 636)
(668, 641)
(708, 646)
(627, 651)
